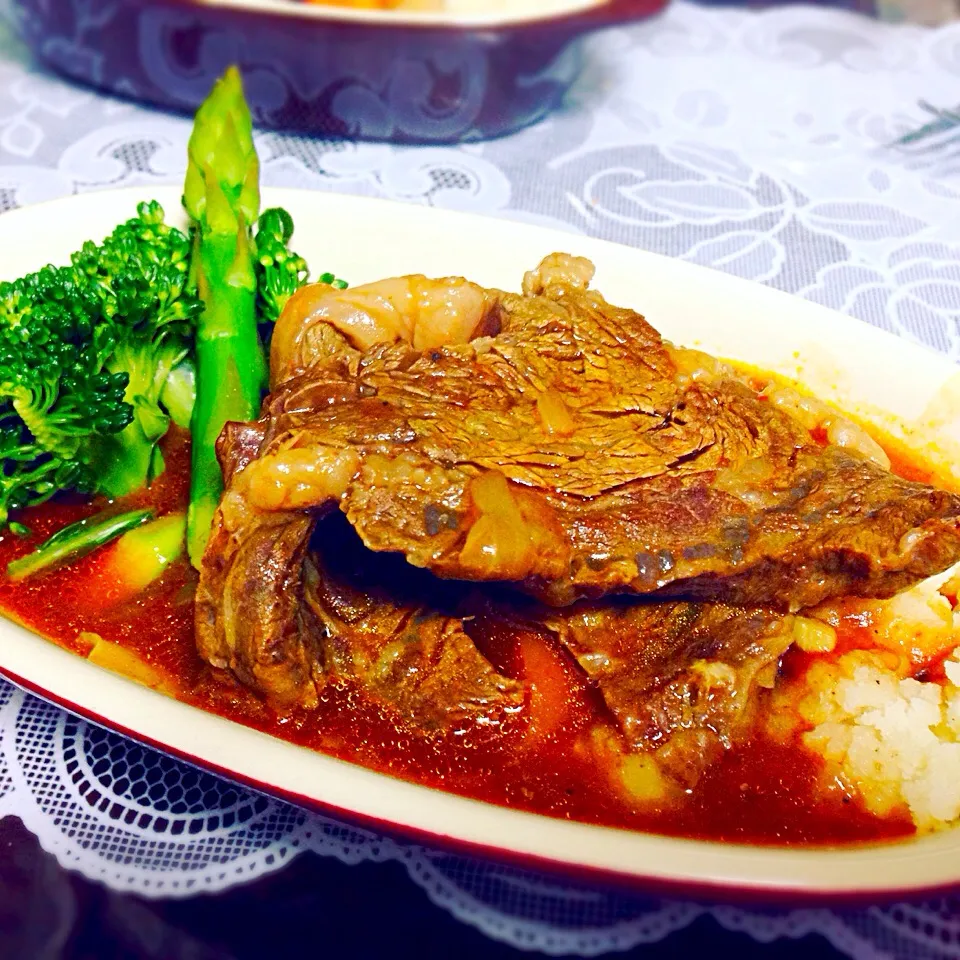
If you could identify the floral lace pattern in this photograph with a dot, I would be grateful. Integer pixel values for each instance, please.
(781, 174)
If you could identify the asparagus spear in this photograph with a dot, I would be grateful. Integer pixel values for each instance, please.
(222, 197)
(75, 541)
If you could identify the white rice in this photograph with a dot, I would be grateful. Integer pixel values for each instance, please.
(890, 738)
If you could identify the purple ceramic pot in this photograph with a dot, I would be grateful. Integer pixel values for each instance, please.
(328, 71)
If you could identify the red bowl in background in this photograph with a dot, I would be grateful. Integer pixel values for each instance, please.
(406, 77)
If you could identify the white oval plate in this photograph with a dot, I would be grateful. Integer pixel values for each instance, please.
(900, 386)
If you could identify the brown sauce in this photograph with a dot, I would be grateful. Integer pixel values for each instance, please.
(760, 792)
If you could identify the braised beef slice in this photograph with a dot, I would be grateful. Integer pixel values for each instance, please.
(395, 631)
(576, 454)
(680, 678)
(286, 617)
(572, 455)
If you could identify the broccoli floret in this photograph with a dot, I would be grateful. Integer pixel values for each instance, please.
(85, 351)
(280, 271)
(141, 274)
(27, 479)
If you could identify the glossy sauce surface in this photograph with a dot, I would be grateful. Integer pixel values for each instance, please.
(761, 792)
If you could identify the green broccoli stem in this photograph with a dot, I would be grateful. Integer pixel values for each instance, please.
(179, 393)
(221, 195)
(132, 459)
(74, 541)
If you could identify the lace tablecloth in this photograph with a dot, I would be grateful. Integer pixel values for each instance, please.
(778, 172)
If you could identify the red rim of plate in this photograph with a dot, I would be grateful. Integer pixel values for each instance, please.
(722, 891)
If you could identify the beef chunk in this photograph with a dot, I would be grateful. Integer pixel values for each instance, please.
(661, 516)
(388, 628)
(575, 454)
(286, 617)
(681, 679)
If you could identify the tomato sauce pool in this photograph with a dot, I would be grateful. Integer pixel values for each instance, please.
(761, 791)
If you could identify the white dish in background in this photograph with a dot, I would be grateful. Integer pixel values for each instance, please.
(454, 13)
(898, 385)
